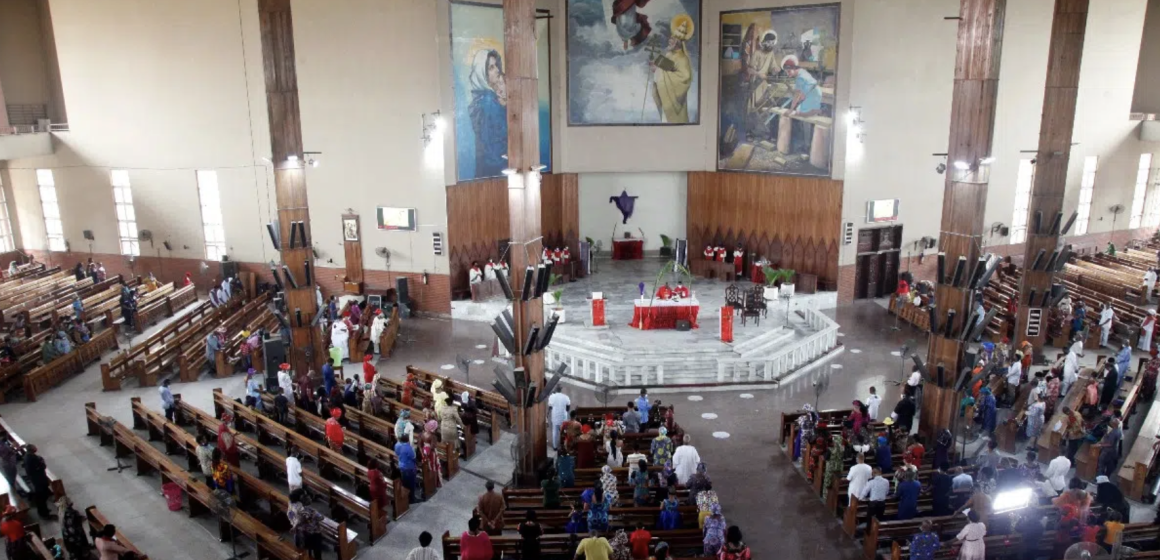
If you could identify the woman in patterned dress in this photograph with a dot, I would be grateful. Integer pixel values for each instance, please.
(807, 423)
(714, 531)
(833, 463)
(670, 514)
(924, 545)
(661, 448)
(639, 481)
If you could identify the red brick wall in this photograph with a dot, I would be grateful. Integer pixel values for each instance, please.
(928, 269)
(434, 297)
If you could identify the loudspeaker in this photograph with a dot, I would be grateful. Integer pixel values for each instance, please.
(969, 358)
(274, 355)
(683, 326)
(229, 270)
(88, 233)
(402, 289)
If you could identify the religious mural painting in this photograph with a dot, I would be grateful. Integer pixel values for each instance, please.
(778, 76)
(634, 62)
(477, 68)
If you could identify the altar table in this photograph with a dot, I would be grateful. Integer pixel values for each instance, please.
(627, 249)
(663, 314)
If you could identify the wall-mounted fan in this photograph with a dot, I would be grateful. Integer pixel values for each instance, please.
(385, 254)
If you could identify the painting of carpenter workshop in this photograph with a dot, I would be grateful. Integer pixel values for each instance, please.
(634, 62)
(778, 77)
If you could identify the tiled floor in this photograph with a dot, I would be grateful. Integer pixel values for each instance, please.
(760, 489)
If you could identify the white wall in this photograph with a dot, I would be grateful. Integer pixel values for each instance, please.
(659, 210)
(907, 109)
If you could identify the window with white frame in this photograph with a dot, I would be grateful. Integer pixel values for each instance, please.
(1141, 191)
(1152, 206)
(1023, 182)
(126, 217)
(211, 215)
(53, 228)
(1086, 186)
(7, 242)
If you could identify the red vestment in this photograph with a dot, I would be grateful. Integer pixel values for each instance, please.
(720, 254)
(664, 292)
(682, 292)
(709, 252)
(738, 260)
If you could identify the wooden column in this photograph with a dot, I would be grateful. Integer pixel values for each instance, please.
(980, 42)
(289, 177)
(524, 210)
(1054, 154)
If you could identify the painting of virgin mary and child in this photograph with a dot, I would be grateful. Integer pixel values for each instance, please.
(477, 66)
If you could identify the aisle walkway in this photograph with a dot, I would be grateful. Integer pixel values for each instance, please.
(451, 506)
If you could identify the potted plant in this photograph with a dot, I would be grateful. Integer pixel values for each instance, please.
(772, 279)
(787, 285)
(555, 297)
(666, 246)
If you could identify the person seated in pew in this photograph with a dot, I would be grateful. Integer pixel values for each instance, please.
(48, 351)
(81, 332)
(107, 546)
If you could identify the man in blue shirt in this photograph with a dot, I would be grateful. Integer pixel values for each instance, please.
(407, 468)
(1123, 362)
(875, 492)
(167, 403)
(643, 406)
(328, 376)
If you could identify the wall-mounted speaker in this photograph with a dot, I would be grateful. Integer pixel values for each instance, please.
(437, 243)
(847, 233)
(88, 233)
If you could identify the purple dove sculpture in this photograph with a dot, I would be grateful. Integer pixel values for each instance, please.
(624, 203)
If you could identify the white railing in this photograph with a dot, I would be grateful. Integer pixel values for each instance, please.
(607, 368)
(774, 367)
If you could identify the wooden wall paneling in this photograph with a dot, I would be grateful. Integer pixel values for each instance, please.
(477, 219)
(278, 64)
(1065, 53)
(353, 251)
(560, 203)
(792, 221)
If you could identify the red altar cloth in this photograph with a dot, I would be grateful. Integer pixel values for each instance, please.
(627, 249)
(663, 314)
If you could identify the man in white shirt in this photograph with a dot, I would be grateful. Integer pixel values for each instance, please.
(633, 460)
(293, 471)
(858, 476)
(423, 551)
(1149, 283)
(558, 406)
(872, 404)
(1014, 376)
(1146, 329)
(1107, 318)
(685, 460)
(875, 492)
(1056, 473)
(913, 382)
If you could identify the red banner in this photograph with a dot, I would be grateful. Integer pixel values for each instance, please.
(726, 324)
(598, 313)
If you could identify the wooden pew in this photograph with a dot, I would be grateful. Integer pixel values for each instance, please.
(330, 463)
(97, 521)
(260, 319)
(200, 498)
(683, 543)
(448, 451)
(54, 482)
(1087, 458)
(155, 305)
(519, 499)
(1050, 440)
(1141, 458)
(130, 362)
(627, 518)
(50, 375)
(390, 334)
(252, 489)
(12, 375)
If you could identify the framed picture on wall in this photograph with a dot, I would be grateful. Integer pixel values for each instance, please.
(350, 229)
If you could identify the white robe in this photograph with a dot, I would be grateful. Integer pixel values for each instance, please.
(339, 335)
(1146, 333)
(1149, 283)
(1107, 317)
(685, 460)
(286, 384)
(377, 327)
(1070, 371)
(475, 276)
(489, 271)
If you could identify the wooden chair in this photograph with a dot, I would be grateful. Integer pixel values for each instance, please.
(753, 306)
(733, 297)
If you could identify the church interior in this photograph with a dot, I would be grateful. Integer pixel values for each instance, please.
(600, 279)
